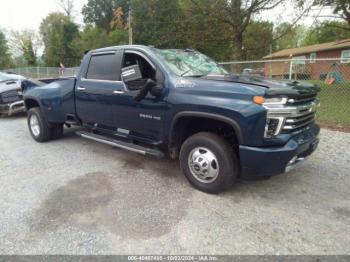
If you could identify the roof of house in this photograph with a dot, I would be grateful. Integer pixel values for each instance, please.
(310, 49)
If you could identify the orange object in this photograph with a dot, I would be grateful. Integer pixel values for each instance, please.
(258, 100)
(330, 81)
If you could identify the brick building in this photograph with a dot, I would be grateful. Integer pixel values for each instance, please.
(306, 64)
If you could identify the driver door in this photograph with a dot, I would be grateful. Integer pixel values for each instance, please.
(142, 119)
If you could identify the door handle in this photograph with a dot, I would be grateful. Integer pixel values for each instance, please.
(118, 92)
(79, 88)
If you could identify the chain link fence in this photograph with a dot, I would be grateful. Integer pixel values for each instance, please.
(44, 72)
(331, 74)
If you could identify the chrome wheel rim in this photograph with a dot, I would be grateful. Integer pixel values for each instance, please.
(203, 165)
(34, 125)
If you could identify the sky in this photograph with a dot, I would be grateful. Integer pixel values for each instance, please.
(28, 14)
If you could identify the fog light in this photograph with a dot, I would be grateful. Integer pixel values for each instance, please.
(273, 126)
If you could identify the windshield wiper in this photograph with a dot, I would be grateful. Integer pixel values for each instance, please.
(194, 76)
(184, 74)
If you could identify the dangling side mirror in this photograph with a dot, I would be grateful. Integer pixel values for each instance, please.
(145, 89)
(158, 87)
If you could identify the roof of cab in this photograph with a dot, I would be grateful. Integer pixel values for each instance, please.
(112, 48)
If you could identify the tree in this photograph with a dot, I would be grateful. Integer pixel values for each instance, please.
(257, 40)
(90, 38)
(236, 14)
(4, 52)
(117, 21)
(93, 37)
(196, 30)
(101, 12)
(58, 33)
(327, 31)
(67, 6)
(157, 22)
(26, 43)
(341, 10)
(288, 36)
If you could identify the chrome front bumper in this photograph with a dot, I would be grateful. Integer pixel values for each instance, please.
(268, 161)
(13, 108)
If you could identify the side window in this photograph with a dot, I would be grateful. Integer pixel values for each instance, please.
(147, 70)
(345, 56)
(104, 67)
(313, 57)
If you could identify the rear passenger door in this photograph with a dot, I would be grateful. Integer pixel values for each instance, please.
(94, 91)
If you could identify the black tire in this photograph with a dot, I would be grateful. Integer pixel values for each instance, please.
(228, 164)
(45, 132)
(57, 131)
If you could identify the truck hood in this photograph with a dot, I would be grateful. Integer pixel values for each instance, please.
(10, 85)
(273, 87)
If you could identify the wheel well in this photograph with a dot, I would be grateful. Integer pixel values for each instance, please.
(188, 126)
(30, 103)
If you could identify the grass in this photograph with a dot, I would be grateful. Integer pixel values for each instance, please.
(335, 104)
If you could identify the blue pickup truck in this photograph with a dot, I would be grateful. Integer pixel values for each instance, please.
(183, 105)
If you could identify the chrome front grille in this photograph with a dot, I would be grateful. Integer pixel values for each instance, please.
(305, 112)
(293, 100)
(293, 123)
(10, 96)
(292, 114)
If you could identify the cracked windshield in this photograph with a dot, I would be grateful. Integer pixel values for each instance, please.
(189, 63)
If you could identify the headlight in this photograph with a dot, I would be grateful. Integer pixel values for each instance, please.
(275, 101)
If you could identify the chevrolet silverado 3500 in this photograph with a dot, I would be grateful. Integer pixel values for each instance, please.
(182, 104)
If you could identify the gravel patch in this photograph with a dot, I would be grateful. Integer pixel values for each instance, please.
(74, 196)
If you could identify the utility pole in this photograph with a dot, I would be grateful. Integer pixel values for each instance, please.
(130, 27)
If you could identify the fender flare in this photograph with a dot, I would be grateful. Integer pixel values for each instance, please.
(31, 98)
(40, 106)
(224, 119)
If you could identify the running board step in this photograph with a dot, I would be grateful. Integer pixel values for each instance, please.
(121, 144)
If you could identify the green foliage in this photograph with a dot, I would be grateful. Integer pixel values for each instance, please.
(105, 20)
(202, 32)
(58, 33)
(26, 43)
(328, 31)
(4, 52)
(257, 40)
(117, 37)
(222, 29)
(341, 8)
(157, 22)
(176, 24)
(334, 107)
(101, 12)
(93, 37)
(288, 36)
(29, 54)
(90, 38)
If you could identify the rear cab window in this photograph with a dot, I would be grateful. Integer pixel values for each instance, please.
(105, 66)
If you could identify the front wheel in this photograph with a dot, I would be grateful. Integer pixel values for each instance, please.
(209, 162)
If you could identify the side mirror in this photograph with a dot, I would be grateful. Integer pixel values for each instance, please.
(131, 73)
(158, 87)
(147, 87)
